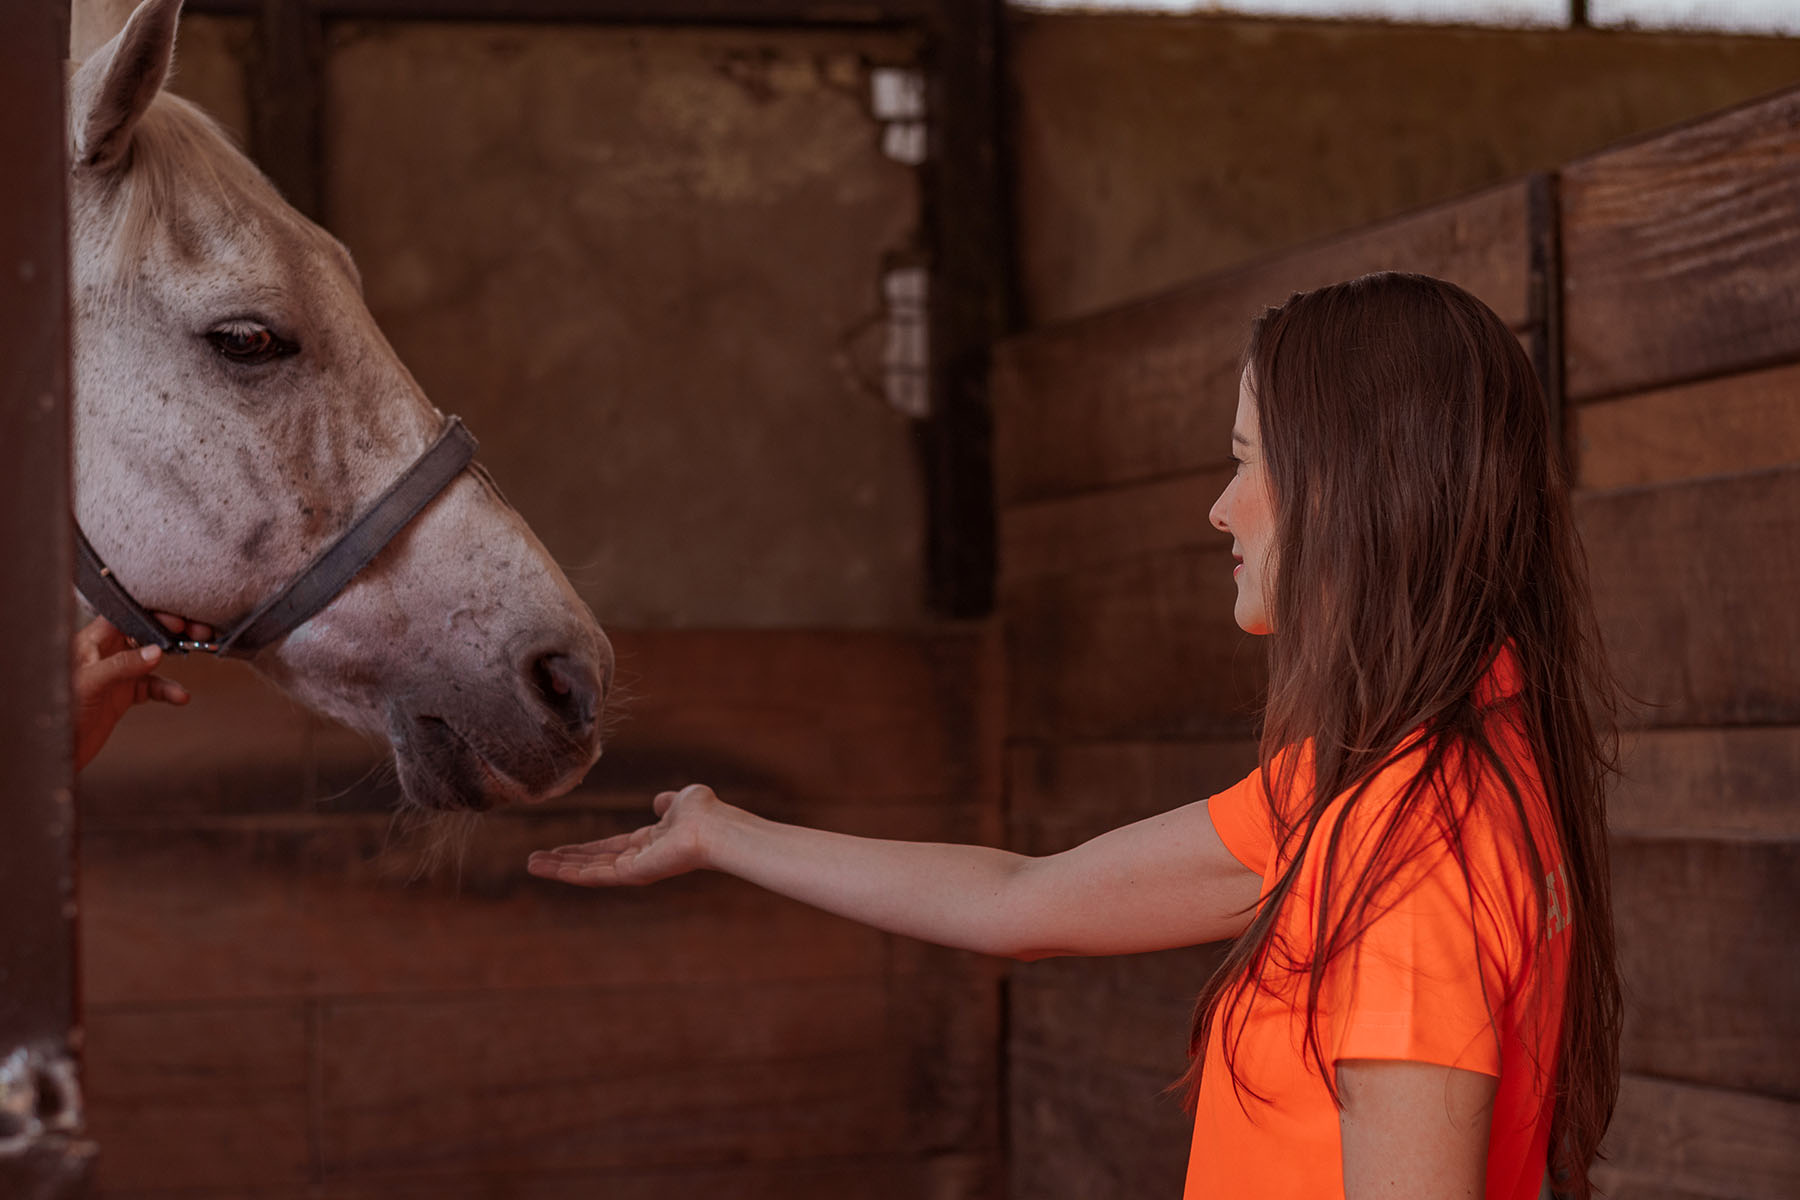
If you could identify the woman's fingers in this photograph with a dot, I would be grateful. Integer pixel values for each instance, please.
(589, 870)
(95, 640)
(606, 845)
(192, 630)
(167, 691)
(96, 676)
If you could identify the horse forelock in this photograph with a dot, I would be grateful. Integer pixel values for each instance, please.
(183, 171)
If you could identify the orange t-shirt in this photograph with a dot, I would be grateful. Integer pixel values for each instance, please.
(1413, 987)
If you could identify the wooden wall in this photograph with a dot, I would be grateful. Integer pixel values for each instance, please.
(273, 1010)
(1681, 259)
(1152, 149)
(1130, 690)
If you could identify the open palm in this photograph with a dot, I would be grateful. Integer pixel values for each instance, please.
(672, 846)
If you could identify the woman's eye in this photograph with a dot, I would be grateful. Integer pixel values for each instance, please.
(248, 342)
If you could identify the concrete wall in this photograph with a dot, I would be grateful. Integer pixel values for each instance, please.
(1150, 150)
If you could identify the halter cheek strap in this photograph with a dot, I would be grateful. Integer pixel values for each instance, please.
(311, 590)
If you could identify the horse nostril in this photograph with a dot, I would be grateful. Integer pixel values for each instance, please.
(568, 688)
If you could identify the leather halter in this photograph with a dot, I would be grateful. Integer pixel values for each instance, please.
(311, 590)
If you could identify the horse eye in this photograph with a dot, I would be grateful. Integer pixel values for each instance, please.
(248, 342)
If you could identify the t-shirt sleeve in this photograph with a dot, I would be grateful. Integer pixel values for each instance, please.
(1240, 814)
(1426, 979)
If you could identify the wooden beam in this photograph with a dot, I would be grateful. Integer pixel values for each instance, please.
(1721, 783)
(1694, 586)
(1741, 422)
(1673, 1140)
(1147, 390)
(1145, 649)
(1680, 252)
(971, 304)
(287, 96)
(1706, 932)
(1544, 336)
(44, 1155)
(610, 12)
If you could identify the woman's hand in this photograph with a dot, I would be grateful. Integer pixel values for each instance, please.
(672, 846)
(111, 675)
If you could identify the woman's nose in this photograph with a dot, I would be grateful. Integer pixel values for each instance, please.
(1217, 515)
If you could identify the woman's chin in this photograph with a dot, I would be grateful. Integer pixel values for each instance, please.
(1252, 620)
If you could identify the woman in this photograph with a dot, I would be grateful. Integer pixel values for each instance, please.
(1422, 998)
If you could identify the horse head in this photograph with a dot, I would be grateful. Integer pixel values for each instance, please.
(236, 409)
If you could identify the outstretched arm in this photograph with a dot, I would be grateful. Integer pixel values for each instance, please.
(1159, 883)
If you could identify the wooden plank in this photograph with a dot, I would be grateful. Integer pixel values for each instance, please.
(1694, 584)
(631, 12)
(271, 908)
(865, 717)
(970, 244)
(1148, 390)
(582, 1079)
(1097, 529)
(1062, 795)
(1709, 783)
(826, 713)
(1144, 650)
(1132, 1011)
(1680, 253)
(1706, 946)
(909, 1176)
(42, 1153)
(35, 825)
(1736, 423)
(202, 1097)
(1676, 1140)
(287, 87)
(939, 1175)
(1080, 1131)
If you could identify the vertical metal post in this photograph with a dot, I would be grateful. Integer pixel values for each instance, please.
(41, 1152)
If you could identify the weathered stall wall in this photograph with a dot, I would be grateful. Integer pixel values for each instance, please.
(1681, 274)
(1130, 691)
(1152, 150)
(275, 1009)
(645, 266)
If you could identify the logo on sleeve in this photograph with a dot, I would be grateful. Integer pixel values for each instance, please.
(1556, 891)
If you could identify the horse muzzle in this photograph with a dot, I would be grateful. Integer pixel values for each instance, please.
(463, 748)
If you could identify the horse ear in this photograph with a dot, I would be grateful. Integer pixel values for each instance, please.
(114, 87)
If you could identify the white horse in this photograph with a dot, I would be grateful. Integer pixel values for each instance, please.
(236, 408)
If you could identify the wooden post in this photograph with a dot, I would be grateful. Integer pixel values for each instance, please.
(41, 1151)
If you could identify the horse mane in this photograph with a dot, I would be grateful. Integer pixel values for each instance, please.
(178, 153)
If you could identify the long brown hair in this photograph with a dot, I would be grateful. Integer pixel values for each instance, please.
(1423, 522)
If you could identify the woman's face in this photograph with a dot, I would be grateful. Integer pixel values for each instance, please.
(1246, 510)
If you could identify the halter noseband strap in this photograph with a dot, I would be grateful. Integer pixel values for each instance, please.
(313, 588)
